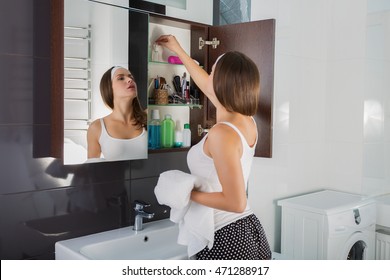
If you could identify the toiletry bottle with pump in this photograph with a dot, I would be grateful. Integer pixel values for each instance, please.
(167, 132)
(154, 136)
(186, 135)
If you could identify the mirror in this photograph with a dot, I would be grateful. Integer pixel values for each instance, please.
(96, 38)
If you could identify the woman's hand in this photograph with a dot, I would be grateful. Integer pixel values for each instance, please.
(170, 42)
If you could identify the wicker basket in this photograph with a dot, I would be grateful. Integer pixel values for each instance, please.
(161, 96)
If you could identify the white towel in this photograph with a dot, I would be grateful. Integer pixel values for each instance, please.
(196, 222)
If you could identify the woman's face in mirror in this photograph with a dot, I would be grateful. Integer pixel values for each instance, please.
(123, 85)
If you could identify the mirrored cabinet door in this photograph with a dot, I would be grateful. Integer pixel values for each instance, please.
(96, 38)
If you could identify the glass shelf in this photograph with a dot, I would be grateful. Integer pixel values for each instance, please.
(192, 106)
(164, 150)
(167, 63)
(164, 63)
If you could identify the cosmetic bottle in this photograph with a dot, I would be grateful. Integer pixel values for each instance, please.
(187, 93)
(186, 135)
(167, 132)
(183, 85)
(178, 136)
(154, 130)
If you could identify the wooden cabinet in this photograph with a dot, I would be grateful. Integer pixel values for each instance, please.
(255, 39)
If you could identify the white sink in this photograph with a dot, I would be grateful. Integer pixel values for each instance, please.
(383, 210)
(158, 241)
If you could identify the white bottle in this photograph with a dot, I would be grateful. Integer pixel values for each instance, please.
(178, 136)
(186, 135)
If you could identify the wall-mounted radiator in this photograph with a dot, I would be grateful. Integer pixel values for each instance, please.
(77, 83)
(382, 244)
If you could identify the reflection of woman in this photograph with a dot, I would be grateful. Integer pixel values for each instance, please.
(120, 135)
(223, 158)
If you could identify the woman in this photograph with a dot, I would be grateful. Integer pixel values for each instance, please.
(224, 156)
(120, 135)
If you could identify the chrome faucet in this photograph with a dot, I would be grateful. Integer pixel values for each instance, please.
(140, 214)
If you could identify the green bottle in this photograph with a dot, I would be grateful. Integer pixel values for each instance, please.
(167, 132)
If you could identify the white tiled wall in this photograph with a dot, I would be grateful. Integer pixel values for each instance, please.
(331, 103)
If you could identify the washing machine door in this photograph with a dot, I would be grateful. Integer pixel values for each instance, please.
(360, 246)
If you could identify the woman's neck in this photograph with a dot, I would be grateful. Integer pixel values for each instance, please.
(123, 112)
(226, 116)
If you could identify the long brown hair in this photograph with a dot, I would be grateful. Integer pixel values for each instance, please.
(236, 83)
(107, 93)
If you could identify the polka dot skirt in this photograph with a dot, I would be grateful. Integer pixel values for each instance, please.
(243, 239)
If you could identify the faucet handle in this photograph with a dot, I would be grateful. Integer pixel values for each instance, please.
(139, 204)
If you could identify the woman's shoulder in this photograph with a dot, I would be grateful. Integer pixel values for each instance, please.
(95, 127)
(233, 132)
(96, 123)
(223, 133)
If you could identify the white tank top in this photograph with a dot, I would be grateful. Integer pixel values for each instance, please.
(202, 165)
(123, 149)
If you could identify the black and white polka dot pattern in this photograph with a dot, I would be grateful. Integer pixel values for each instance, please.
(243, 239)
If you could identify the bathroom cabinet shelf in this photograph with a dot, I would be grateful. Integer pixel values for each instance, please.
(165, 150)
(164, 63)
(167, 63)
(191, 106)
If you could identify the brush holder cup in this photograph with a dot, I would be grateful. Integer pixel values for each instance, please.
(161, 96)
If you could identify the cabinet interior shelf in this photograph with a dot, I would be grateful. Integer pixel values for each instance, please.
(164, 63)
(167, 63)
(192, 106)
(164, 150)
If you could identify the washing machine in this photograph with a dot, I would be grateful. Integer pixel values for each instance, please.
(328, 225)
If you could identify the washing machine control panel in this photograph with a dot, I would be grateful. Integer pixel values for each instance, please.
(354, 218)
(356, 214)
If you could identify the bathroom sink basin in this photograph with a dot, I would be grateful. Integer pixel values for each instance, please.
(383, 210)
(158, 240)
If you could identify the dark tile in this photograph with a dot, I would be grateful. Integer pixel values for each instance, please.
(98, 172)
(16, 79)
(20, 171)
(16, 159)
(20, 241)
(41, 145)
(32, 222)
(158, 163)
(42, 32)
(16, 27)
(41, 91)
(143, 189)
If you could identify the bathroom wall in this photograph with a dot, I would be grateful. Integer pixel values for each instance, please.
(41, 200)
(331, 103)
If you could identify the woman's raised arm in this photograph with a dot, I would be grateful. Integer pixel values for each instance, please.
(197, 73)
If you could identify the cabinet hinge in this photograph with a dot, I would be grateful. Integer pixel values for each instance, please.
(201, 130)
(214, 43)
